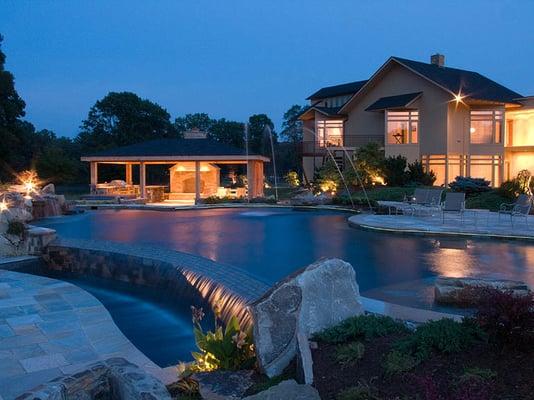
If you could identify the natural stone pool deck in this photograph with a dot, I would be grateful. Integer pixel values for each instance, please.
(50, 328)
(481, 225)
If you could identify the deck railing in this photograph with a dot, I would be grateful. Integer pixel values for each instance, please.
(318, 147)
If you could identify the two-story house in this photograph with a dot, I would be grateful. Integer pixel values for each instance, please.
(456, 122)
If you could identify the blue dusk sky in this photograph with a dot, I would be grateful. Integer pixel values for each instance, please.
(236, 58)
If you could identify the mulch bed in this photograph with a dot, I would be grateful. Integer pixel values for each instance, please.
(437, 378)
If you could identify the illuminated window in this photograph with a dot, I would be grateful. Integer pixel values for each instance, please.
(329, 133)
(487, 167)
(486, 126)
(402, 127)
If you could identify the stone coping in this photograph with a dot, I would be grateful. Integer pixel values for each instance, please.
(51, 328)
(174, 207)
(236, 280)
(482, 226)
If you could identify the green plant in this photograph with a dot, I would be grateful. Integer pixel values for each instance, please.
(327, 178)
(395, 171)
(349, 353)
(441, 336)
(345, 200)
(16, 228)
(469, 185)
(510, 189)
(397, 361)
(369, 164)
(418, 176)
(226, 348)
(361, 327)
(362, 391)
(292, 179)
(480, 373)
(491, 200)
(506, 317)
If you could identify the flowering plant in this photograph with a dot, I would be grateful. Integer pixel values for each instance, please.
(227, 347)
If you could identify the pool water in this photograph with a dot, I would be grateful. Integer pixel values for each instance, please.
(270, 243)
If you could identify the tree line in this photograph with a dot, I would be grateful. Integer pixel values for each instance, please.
(123, 118)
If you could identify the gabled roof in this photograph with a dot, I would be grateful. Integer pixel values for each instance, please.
(392, 102)
(468, 83)
(328, 111)
(337, 90)
(171, 149)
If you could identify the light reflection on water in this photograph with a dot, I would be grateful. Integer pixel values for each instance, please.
(271, 243)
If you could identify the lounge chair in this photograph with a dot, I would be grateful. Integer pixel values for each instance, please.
(454, 203)
(520, 208)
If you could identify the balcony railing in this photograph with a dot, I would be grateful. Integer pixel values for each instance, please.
(318, 147)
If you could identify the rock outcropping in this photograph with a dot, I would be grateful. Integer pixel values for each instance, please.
(287, 390)
(114, 379)
(451, 291)
(308, 301)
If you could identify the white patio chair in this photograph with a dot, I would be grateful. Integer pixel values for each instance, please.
(520, 208)
(454, 203)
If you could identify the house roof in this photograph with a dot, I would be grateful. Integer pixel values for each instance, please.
(337, 90)
(468, 83)
(170, 149)
(328, 111)
(391, 102)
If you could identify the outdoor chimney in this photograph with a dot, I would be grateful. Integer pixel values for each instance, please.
(437, 59)
(195, 133)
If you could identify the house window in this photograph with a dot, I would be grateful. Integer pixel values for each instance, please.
(402, 127)
(486, 126)
(329, 133)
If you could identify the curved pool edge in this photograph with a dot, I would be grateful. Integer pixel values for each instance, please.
(67, 327)
(362, 221)
(150, 207)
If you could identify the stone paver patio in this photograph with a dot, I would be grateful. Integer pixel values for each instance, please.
(50, 328)
(473, 224)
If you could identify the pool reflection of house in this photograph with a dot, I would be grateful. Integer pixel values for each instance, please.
(194, 174)
(456, 122)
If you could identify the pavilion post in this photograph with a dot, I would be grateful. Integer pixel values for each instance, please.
(129, 174)
(258, 179)
(142, 180)
(250, 179)
(94, 175)
(197, 182)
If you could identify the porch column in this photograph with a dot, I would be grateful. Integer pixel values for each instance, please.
(259, 183)
(197, 182)
(142, 180)
(93, 167)
(128, 173)
(250, 179)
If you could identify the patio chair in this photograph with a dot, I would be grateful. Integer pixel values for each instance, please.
(454, 203)
(520, 208)
(434, 197)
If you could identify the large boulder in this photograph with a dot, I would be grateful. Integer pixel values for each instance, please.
(308, 301)
(449, 290)
(223, 385)
(287, 390)
(310, 199)
(49, 189)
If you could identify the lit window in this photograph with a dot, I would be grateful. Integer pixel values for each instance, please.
(329, 133)
(402, 127)
(486, 126)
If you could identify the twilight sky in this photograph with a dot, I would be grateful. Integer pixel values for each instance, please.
(236, 58)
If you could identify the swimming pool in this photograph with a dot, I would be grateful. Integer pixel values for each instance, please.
(270, 243)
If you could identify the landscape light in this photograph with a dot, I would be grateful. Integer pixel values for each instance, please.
(3, 205)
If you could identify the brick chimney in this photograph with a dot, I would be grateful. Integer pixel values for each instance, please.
(195, 133)
(437, 59)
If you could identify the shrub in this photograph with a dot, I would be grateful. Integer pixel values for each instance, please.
(369, 162)
(478, 373)
(361, 327)
(219, 200)
(418, 176)
(508, 319)
(327, 178)
(362, 391)
(350, 353)
(292, 179)
(16, 228)
(359, 201)
(470, 185)
(441, 336)
(397, 362)
(395, 171)
(226, 348)
(488, 200)
(510, 189)
(473, 388)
